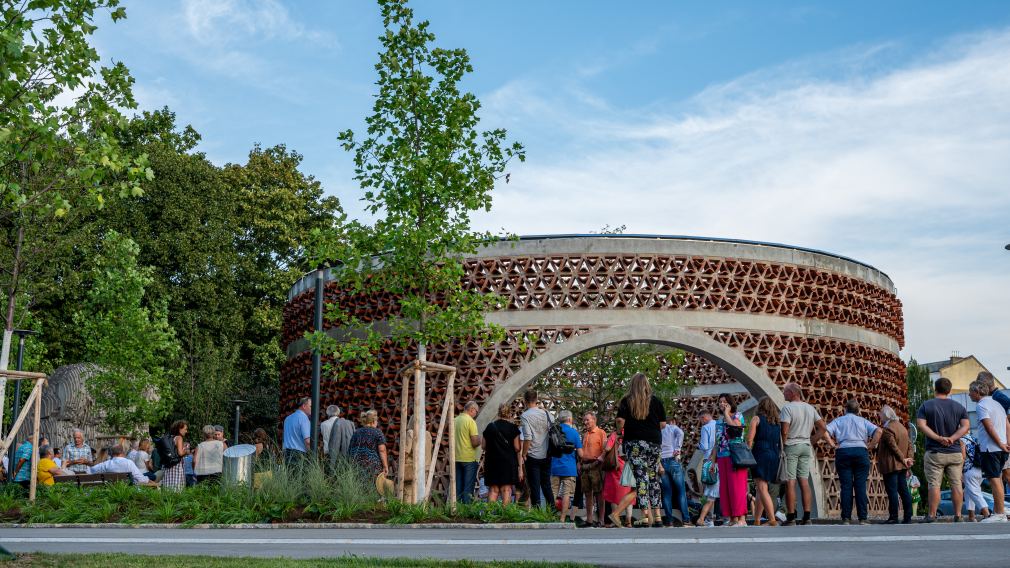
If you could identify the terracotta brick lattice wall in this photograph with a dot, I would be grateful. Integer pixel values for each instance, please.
(830, 370)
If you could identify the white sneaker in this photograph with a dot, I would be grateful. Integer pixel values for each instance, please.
(780, 516)
(995, 519)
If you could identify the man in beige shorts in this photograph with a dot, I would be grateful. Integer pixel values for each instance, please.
(802, 426)
(943, 421)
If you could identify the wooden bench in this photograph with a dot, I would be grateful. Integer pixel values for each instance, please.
(92, 479)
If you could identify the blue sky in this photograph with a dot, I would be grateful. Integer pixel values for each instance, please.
(877, 130)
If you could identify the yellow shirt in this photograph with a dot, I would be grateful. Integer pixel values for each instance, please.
(46, 464)
(465, 427)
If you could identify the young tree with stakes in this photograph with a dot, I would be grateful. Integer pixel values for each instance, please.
(424, 168)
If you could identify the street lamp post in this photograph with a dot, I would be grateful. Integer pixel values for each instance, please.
(21, 333)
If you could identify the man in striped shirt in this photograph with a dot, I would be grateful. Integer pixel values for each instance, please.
(77, 457)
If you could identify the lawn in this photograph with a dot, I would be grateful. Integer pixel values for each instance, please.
(140, 561)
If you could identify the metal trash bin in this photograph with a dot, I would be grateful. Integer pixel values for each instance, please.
(237, 467)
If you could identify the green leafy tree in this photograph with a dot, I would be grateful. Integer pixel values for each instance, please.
(425, 168)
(920, 389)
(278, 206)
(58, 112)
(597, 380)
(222, 244)
(132, 344)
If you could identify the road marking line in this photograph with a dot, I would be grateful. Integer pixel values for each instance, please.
(499, 542)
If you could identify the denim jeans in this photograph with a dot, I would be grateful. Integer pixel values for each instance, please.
(673, 483)
(853, 467)
(466, 478)
(897, 488)
(538, 476)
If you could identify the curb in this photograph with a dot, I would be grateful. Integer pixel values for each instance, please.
(486, 526)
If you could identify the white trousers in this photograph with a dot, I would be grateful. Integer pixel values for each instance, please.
(973, 499)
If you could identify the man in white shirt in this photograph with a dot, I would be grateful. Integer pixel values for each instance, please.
(534, 424)
(992, 445)
(802, 427)
(119, 464)
(672, 478)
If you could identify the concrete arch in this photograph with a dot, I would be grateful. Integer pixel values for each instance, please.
(748, 374)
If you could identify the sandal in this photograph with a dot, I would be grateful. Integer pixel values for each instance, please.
(615, 520)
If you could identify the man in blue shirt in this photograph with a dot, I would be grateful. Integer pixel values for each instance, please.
(22, 468)
(564, 469)
(297, 432)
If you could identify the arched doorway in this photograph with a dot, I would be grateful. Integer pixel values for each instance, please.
(735, 363)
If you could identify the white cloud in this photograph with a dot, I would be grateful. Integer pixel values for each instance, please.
(906, 169)
(224, 22)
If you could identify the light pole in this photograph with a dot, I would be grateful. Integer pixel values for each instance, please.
(21, 333)
(317, 360)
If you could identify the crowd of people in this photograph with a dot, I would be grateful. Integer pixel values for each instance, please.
(136, 459)
(738, 469)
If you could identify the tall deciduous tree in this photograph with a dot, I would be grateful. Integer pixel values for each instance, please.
(425, 168)
(131, 343)
(58, 111)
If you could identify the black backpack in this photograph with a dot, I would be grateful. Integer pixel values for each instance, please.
(165, 447)
(557, 443)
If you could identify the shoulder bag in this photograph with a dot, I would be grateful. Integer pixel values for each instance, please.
(610, 456)
(628, 475)
(709, 472)
(741, 455)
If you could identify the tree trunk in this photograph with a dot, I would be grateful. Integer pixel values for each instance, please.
(5, 354)
(421, 426)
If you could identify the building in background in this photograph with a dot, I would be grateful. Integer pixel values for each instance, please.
(960, 370)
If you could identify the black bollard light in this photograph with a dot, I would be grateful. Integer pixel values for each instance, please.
(238, 415)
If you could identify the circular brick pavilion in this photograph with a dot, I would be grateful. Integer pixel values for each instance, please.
(752, 316)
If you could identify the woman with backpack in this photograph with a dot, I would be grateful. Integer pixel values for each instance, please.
(174, 478)
(641, 415)
(502, 450)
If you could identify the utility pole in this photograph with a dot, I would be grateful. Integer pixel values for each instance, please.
(317, 362)
(21, 333)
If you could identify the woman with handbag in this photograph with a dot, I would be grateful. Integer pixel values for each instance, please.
(641, 415)
(765, 440)
(621, 498)
(732, 480)
(502, 450)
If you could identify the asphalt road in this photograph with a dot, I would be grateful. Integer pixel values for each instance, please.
(876, 545)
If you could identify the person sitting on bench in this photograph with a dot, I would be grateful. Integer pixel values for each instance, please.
(119, 464)
(47, 467)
